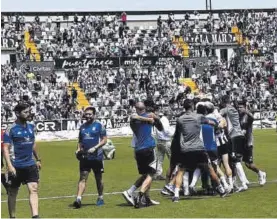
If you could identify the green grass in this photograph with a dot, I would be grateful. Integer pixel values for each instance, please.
(59, 177)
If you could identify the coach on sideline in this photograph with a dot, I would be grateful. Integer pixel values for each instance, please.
(19, 139)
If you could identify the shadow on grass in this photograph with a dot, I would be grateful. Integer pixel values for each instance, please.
(125, 205)
(83, 205)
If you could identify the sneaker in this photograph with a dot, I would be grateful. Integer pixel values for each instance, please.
(175, 199)
(186, 192)
(170, 188)
(165, 192)
(228, 190)
(149, 202)
(221, 191)
(192, 190)
(242, 188)
(153, 202)
(129, 198)
(77, 204)
(138, 202)
(99, 202)
(160, 177)
(262, 178)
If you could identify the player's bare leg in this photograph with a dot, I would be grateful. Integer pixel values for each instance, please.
(12, 194)
(228, 170)
(100, 188)
(81, 188)
(33, 198)
(178, 183)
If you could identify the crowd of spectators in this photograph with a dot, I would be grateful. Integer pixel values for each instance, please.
(48, 98)
(114, 91)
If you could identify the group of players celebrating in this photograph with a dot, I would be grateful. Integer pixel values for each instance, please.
(205, 138)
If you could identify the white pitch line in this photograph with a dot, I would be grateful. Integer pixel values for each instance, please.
(108, 193)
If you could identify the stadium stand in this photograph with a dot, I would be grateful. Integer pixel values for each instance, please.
(247, 73)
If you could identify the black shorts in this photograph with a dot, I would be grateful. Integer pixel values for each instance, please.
(213, 155)
(23, 176)
(238, 144)
(96, 166)
(247, 155)
(223, 149)
(192, 160)
(146, 161)
(175, 158)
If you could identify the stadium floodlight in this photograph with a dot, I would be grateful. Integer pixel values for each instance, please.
(209, 5)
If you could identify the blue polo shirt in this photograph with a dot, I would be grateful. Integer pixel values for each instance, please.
(22, 140)
(89, 136)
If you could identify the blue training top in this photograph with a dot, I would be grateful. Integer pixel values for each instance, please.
(89, 136)
(22, 140)
(143, 133)
(208, 133)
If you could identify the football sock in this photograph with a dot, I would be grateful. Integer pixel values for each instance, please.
(186, 180)
(132, 189)
(230, 180)
(196, 175)
(241, 173)
(176, 192)
(224, 182)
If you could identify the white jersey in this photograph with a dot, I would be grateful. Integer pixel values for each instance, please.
(164, 135)
(221, 138)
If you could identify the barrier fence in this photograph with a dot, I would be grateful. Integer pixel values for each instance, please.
(267, 118)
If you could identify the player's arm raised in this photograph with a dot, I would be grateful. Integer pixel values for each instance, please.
(157, 122)
(208, 121)
(141, 118)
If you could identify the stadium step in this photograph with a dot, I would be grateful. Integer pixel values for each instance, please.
(239, 37)
(81, 98)
(190, 83)
(32, 45)
(182, 44)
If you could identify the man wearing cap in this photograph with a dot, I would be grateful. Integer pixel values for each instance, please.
(163, 144)
(92, 137)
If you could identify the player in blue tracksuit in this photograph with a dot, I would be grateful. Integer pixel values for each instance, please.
(92, 137)
(19, 147)
(145, 144)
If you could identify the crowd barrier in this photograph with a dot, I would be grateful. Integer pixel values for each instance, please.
(65, 129)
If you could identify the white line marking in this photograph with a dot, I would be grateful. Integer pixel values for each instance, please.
(108, 193)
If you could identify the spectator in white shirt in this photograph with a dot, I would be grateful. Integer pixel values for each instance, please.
(163, 144)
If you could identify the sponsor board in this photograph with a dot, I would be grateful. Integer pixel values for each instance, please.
(44, 68)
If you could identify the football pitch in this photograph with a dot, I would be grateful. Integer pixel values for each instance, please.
(59, 177)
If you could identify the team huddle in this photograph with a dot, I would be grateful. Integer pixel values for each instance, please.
(206, 137)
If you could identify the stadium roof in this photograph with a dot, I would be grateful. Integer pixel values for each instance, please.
(154, 12)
